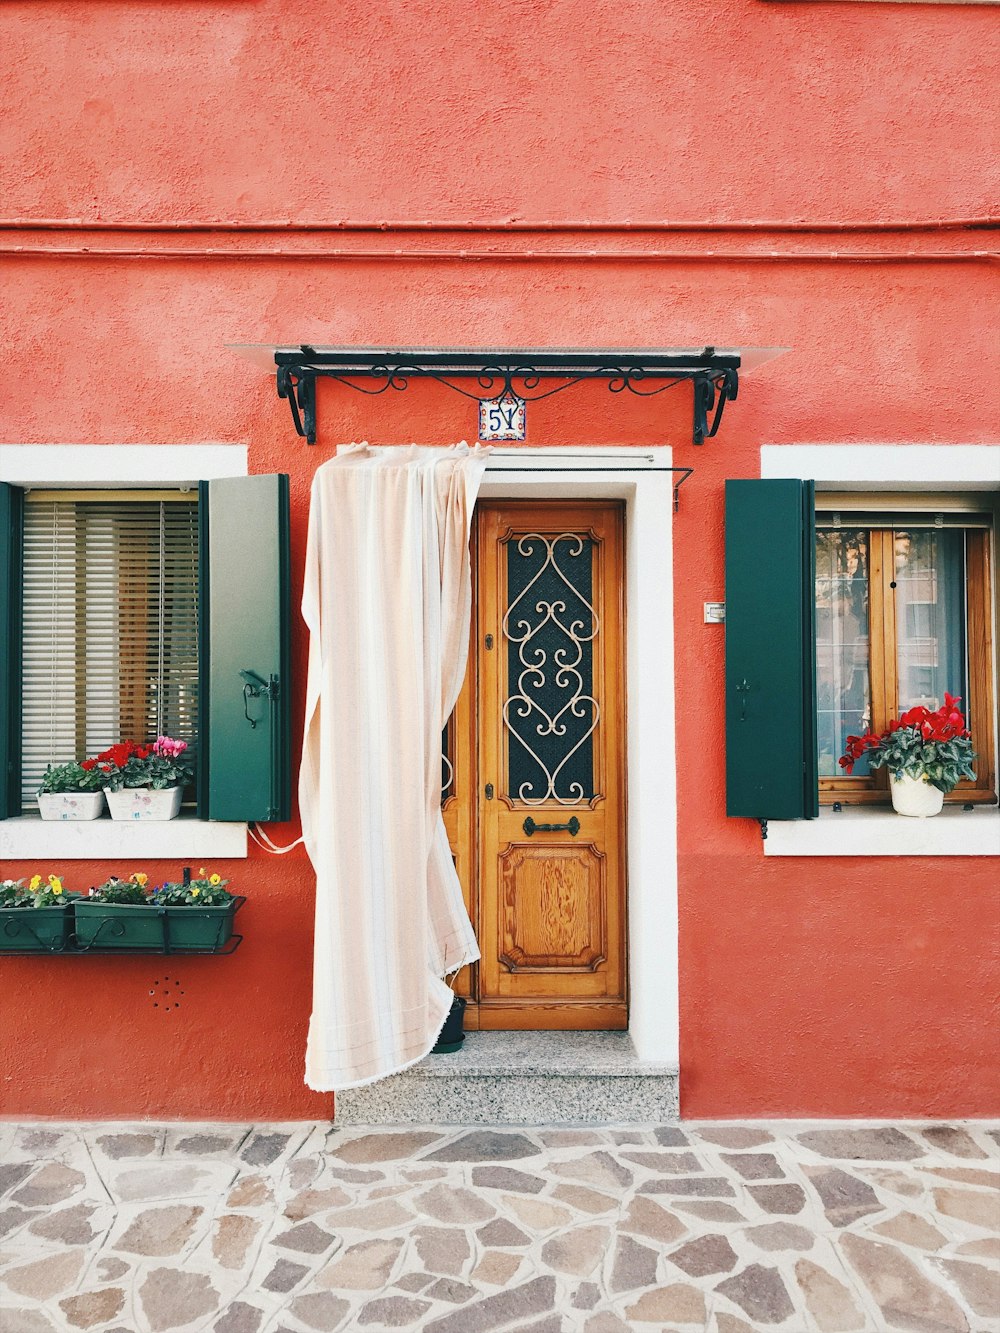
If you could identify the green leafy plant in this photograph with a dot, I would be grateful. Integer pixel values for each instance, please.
(208, 890)
(129, 892)
(936, 747)
(38, 893)
(71, 777)
(10, 891)
(155, 766)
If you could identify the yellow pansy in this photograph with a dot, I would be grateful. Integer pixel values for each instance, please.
(195, 892)
(215, 879)
(140, 878)
(55, 884)
(201, 873)
(34, 883)
(57, 889)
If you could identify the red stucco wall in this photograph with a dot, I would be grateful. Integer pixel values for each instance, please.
(807, 988)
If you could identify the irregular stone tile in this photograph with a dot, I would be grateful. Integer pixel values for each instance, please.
(679, 1303)
(648, 1219)
(634, 1266)
(754, 1165)
(981, 1249)
(451, 1290)
(906, 1298)
(577, 1251)
(12, 1173)
(897, 1181)
(307, 1202)
(994, 1134)
(845, 1198)
(710, 1211)
(446, 1249)
(168, 1181)
(381, 1216)
(284, 1276)
(38, 1141)
(506, 1178)
(93, 1307)
(110, 1269)
(669, 1163)
(427, 1173)
(982, 1210)
(588, 1201)
(570, 1138)
(912, 1230)
(728, 1323)
(596, 1168)
(760, 1292)
(171, 1298)
(605, 1322)
(735, 1136)
(784, 1199)
(414, 1281)
(70, 1225)
(586, 1296)
(501, 1232)
(703, 1187)
(669, 1136)
(366, 1266)
(621, 1136)
(26, 1321)
(781, 1236)
(392, 1312)
(705, 1255)
(535, 1297)
(13, 1217)
(232, 1238)
(485, 1145)
(250, 1192)
(355, 1175)
(827, 1299)
(263, 1149)
(447, 1203)
(202, 1145)
(388, 1191)
(953, 1140)
(303, 1171)
(320, 1309)
(52, 1184)
(496, 1268)
(160, 1231)
(239, 1318)
(117, 1146)
(384, 1147)
(45, 1278)
(306, 1238)
(537, 1213)
(980, 1286)
(965, 1175)
(876, 1143)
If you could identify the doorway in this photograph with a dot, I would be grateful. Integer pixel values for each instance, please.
(533, 780)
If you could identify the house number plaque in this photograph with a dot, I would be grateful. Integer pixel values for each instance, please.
(502, 418)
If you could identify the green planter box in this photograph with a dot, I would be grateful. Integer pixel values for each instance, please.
(154, 929)
(35, 929)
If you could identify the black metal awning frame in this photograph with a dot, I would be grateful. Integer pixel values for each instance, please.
(489, 374)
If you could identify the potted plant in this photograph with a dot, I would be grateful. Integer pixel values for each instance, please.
(118, 915)
(35, 919)
(199, 911)
(195, 916)
(143, 781)
(71, 791)
(927, 754)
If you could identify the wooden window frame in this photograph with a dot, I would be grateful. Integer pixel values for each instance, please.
(981, 705)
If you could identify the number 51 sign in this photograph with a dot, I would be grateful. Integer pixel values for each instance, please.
(502, 418)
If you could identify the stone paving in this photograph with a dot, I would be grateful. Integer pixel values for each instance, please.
(728, 1228)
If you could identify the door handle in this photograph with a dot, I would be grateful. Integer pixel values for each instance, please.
(530, 827)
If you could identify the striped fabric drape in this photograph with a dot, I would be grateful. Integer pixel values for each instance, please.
(387, 599)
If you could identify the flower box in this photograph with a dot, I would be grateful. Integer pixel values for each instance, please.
(35, 929)
(71, 805)
(153, 929)
(144, 803)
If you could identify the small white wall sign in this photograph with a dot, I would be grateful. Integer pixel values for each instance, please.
(715, 613)
(502, 418)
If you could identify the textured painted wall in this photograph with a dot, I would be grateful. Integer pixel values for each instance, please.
(815, 988)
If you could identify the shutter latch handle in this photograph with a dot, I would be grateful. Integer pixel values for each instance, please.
(743, 689)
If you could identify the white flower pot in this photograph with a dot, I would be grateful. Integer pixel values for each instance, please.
(144, 803)
(915, 796)
(71, 804)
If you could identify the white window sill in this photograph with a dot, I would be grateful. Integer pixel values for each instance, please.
(865, 832)
(31, 838)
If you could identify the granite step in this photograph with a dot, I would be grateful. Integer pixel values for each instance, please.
(522, 1078)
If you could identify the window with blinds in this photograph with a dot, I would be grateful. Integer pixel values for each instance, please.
(110, 624)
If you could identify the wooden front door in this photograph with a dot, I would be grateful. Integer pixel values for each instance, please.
(534, 797)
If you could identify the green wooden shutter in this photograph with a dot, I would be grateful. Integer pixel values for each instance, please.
(11, 528)
(771, 765)
(245, 694)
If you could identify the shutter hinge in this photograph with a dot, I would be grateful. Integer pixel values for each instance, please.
(763, 829)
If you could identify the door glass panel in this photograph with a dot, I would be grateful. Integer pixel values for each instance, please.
(930, 616)
(550, 626)
(842, 679)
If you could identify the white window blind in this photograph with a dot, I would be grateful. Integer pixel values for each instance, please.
(110, 617)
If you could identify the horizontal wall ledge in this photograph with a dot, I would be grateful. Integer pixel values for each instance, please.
(51, 841)
(860, 831)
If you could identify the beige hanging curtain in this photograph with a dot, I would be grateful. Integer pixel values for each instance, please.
(387, 599)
